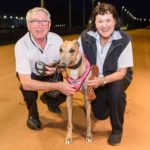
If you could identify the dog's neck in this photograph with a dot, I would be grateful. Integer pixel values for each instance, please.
(77, 82)
(77, 65)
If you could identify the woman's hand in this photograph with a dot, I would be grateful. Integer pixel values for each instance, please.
(118, 75)
(96, 82)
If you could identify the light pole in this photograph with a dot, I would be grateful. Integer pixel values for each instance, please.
(70, 17)
(93, 4)
(83, 13)
(123, 11)
(122, 15)
(42, 3)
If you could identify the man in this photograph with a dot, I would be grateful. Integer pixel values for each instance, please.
(38, 44)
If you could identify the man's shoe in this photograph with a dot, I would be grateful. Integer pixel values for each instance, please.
(33, 123)
(54, 109)
(44, 98)
(115, 139)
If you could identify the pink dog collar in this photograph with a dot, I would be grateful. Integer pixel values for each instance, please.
(78, 82)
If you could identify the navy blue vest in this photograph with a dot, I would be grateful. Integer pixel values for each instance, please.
(116, 48)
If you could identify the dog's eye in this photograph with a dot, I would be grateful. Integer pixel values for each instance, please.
(72, 50)
(60, 50)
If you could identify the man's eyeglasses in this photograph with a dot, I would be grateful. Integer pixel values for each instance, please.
(38, 22)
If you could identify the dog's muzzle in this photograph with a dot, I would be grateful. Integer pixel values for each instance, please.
(61, 65)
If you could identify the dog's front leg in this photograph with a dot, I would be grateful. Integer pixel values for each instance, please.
(89, 137)
(68, 139)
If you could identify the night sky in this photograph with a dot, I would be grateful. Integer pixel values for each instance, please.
(59, 8)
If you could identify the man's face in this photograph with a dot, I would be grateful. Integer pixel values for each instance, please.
(39, 26)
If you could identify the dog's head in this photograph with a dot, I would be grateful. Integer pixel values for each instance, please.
(69, 53)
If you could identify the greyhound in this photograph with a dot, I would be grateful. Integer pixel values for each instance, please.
(78, 70)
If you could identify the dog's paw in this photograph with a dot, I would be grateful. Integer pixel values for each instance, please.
(95, 70)
(68, 140)
(89, 139)
(91, 94)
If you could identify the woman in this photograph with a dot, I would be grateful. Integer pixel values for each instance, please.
(110, 49)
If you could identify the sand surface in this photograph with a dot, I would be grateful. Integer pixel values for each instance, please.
(14, 135)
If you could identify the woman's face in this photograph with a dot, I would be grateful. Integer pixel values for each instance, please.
(105, 25)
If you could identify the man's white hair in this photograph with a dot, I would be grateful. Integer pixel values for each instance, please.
(30, 13)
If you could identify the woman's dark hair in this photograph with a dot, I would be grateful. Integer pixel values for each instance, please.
(102, 9)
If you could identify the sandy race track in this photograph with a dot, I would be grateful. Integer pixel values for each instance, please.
(14, 135)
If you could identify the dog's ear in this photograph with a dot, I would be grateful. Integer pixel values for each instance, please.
(76, 42)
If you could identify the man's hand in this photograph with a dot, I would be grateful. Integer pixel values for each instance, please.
(66, 88)
(50, 70)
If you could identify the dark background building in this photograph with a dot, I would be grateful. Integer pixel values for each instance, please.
(68, 16)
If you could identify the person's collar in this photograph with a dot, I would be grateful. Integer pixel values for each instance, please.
(115, 36)
(34, 42)
(94, 34)
(49, 40)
